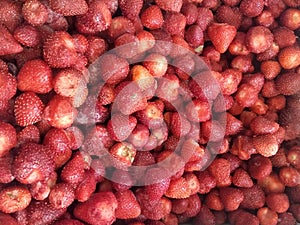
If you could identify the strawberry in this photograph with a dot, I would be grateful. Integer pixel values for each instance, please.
(231, 16)
(27, 35)
(178, 189)
(130, 8)
(8, 44)
(286, 219)
(68, 222)
(205, 217)
(152, 17)
(10, 14)
(254, 197)
(14, 198)
(5, 168)
(231, 198)
(35, 12)
(61, 196)
(266, 145)
(7, 219)
(173, 6)
(8, 138)
(59, 144)
(75, 137)
(32, 163)
(69, 8)
(38, 71)
(179, 206)
(156, 64)
(221, 35)
(278, 202)
(8, 85)
(194, 206)
(97, 18)
(179, 126)
(241, 178)
(288, 83)
(28, 109)
(98, 210)
(120, 127)
(174, 23)
(120, 25)
(29, 134)
(206, 181)
(59, 50)
(220, 170)
(87, 187)
(213, 200)
(128, 207)
(59, 112)
(241, 217)
(267, 216)
(139, 136)
(121, 180)
(123, 154)
(151, 116)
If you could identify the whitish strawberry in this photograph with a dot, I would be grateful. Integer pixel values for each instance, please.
(59, 50)
(69, 7)
(28, 109)
(221, 35)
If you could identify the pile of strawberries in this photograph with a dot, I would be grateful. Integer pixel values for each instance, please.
(149, 112)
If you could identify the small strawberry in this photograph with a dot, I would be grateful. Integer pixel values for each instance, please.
(230, 15)
(8, 138)
(120, 25)
(231, 198)
(213, 200)
(221, 35)
(59, 50)
(254, 197)
(10, 14)
(266, 145)
(130, 8)
(68, 222)
(14, 198)
(271, 184)
(123, 154)
(28, 109)
(32, 163)
(139, 136)
(241, 178)
(220, 170)
(97, 18)
(8, 44)
(35, 12)
(38, 71)
(178, 189)
(152, 17)
(8, 85)
(7, 219)
(69, 8)
(128, 207)
(120, 127)
(98, 210)
(5, 168)
(168, 5)
(205, 216)
(29, 134)
(61, 196)
(151, 116)
(87, 187)
(278, 202)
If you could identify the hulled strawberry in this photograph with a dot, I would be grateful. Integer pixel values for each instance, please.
(8, 138)
(123, 154)
(69, 8)
(32, 163)
(98, 210)
(28, 109)
(151, 116)
(38, 71)
(128, 207)
(221, 35)
(178, 189)
(8, 44)
(59, 50)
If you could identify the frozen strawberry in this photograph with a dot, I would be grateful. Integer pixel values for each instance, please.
(29, 134)
(39, 72)
(35, 12)
(59, 112)
(241, 178)
(14, 198)
(178, 189)
(96, 19)
(98, 210)
(120, 127)
(123, 154)
(120, 25)
(74, 171)
(121, 180)
(10, 14)
(5, 168)
(174, 23)
(168, 88)
(232, 16)
(231, 198)
(267, 216)
(69, 8)
(259, 39)
(139, 136)
(259, 167)
(130, 8)
(28, 109)
(42, 212)
(286, 219)
(27, 35)
(251, 8)
(128, 207)
(233, 125)
(8, 85)
(194, 206)
(152, 17)
(151, 116)
(207, 182)
(289, 176)
(205, 217)
(173, 6)
(221, 35)
(86, 188)
(7, 219)
(240, 217)
(61, 196)
(8, 137)
(266, 145)
(68, 222)
(220, 170)
(213, 200)
(59, 50)
(254, 197)
(278, 202)
(156, 64)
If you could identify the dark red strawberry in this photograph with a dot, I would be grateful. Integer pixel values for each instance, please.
(98, 210)
(27, 35)
(8, 138)
(8, 44)
(7, 219)
(68, 222)
(221, 35)
(130, 8)
(10, 14)
(28, 109)
(8, 85)
(241, 178)
(69, 8)
(32, 163)
(39, 72)
(5, 168)
(231, 198)
(128, 207)
(29, 134)
(59, 50)
(169, 5)
(35, 12)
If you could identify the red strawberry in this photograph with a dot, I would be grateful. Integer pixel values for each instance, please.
(8, 138)
(97, 18)
(59, 50)
(121, 180)
(28, 109)
(169, 5)
(128, 207)
(130, 8)
(220, 170)
(87, 187)
(120, 127)
(10, 14)
(8, 85)
(14, 198)
(75, 136)
(207, 182)
(98, 210)
(231, 198)
(278, 202)
(213, 200)
(178, 189)
(27, 35)
(221, 35)
(120, 25)
(68, 222)
(61, 196)
(5, 168)
(35, 12)
(8, 44)
(194, 206)
(123, 154)
(227, 14)
(151, 116)
(69, 8)
(152, 17)
(33, 163)
(38, 71)
(7, 219)
(29, 134)
(241, 178)
(254, 197)
(205, 217)
(266, 145)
